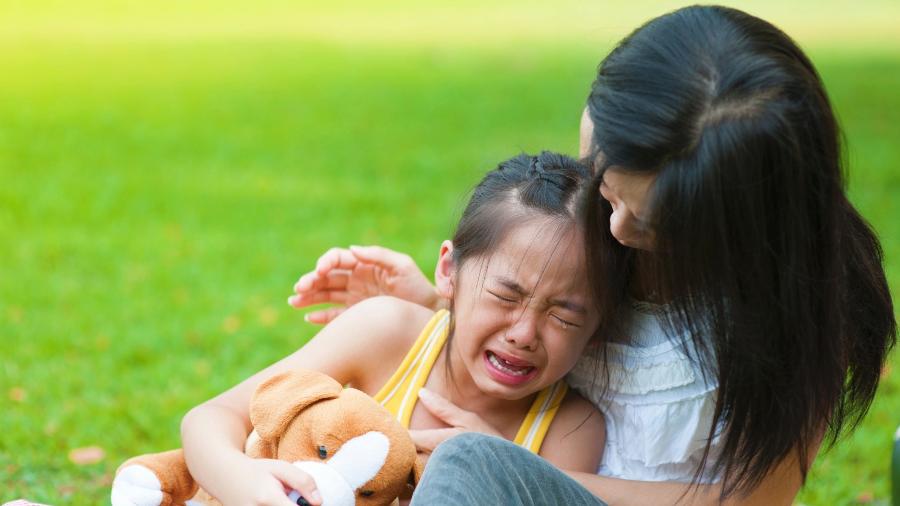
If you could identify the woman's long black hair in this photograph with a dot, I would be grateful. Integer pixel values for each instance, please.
(764, 262)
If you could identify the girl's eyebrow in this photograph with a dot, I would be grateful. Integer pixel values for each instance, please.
(563, 303)
(568, 304)
(512, 285)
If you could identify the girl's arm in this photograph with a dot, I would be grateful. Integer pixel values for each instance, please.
(576, 439)
(214, 433)
(213, 439)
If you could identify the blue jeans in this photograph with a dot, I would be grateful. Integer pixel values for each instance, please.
(479, 470)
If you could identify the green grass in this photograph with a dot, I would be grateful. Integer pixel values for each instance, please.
(159, 195)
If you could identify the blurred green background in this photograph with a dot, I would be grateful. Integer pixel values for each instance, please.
(168, 169)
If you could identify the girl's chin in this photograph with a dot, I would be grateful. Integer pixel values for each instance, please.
(492, 389)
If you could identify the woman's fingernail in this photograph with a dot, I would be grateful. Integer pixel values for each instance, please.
(425, 393)
(306, 317)
(292, 299)
(306, 281)
(316, 496)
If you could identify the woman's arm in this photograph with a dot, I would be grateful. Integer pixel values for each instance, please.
(340, 269)
(347, 276)
(779, 487)
(574, 441)
(214, 433)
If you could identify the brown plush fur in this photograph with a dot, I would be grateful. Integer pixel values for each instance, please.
(293, 414)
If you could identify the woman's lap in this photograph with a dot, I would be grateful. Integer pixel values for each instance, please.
(474, 469)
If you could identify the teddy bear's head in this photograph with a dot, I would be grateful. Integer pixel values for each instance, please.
(356, 451)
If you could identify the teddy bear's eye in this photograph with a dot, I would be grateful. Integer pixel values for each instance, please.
(323, 452)
(367, 493)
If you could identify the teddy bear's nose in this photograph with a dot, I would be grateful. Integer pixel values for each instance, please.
(323, 452)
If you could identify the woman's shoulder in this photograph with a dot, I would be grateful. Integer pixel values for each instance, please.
(575, 439)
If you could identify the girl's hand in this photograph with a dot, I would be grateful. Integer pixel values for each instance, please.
(267, 482)
(347, 276)
(460, 421)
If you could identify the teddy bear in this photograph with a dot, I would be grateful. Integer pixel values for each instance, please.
(354, 449)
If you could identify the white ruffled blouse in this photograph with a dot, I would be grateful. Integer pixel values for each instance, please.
(658, 407)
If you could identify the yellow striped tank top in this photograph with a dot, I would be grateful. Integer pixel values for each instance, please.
(400, 394)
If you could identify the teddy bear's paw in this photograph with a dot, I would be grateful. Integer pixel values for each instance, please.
(136, 485)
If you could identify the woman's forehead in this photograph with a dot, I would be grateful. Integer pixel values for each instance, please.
(585, 134)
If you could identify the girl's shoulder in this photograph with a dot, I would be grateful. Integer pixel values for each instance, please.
(386, 328)
(576, 438)
(392, 318)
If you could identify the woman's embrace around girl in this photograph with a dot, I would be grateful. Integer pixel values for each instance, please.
(520, 313)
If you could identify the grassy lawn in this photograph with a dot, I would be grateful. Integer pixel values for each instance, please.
(163, 182)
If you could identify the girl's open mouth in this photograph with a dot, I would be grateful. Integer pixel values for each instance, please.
(508, 370)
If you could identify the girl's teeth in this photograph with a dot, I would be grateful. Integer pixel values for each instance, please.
(499, 364)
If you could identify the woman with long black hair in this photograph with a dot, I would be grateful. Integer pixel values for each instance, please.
(746, 315)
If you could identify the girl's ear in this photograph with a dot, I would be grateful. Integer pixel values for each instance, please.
(444, 273)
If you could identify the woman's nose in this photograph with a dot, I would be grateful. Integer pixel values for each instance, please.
(619, 226)
(523, 333)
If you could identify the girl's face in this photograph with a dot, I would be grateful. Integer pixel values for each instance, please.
(627, 193)
(523, 313)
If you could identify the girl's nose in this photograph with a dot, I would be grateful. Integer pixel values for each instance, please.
(523, 333)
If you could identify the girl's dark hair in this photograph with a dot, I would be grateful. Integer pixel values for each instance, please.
(767, 267)
(546, 184)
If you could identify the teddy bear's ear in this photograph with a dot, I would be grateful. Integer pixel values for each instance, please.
(418, 468)
(279, 399)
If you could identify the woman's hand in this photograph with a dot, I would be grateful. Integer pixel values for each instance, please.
(460, 421)
(267, 482)
(347, 276)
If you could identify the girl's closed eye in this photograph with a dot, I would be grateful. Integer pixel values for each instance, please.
(508, 299)
(564, 323)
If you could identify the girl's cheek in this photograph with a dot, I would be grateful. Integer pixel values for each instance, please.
(565, 356)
